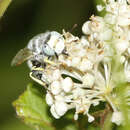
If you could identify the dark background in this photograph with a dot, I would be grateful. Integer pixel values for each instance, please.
(23, 20)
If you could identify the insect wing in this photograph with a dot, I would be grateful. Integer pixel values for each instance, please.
(21, 56)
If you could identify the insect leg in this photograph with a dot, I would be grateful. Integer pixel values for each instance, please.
(48, 61)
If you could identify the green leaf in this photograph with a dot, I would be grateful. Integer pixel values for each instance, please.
(31, 107)
(33, 110)
(12, 123)
(3, 6)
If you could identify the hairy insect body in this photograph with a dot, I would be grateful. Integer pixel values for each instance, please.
(41, 50)
(46, 45)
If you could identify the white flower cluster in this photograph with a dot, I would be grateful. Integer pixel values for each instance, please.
(80, 75)
(89, 61)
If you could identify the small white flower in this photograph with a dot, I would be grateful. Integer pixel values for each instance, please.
(84, 41)
(85, 65)
(88, 80)
(78, 93)
(82, 53)
(117, 118)
(67, 84)
(76, 61)
(56, 87)
(60, 98)
(105, 35)
(122, 59)
(68, 62)
(53, 112)
(69, 37)
(129, 50)
(56, 74)
(97, 24)
(76, 116)
(110, 18)
(121, 45)
(85, 28)
(124, 20)
(96, 102)
(61, 108)
(49, 99)
(100, 7)
(90, 118)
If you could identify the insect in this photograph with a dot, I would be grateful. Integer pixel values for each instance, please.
(40, 49)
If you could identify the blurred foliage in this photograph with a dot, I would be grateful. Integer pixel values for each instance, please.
(3, 6)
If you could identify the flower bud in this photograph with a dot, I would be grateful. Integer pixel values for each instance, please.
(85, 28)
(53, 112)
(88, 80)
(61, 108)
(67, 84)
(76, 116)
(90, 118)
(76, 61)
(100, 8)
(55, 87)
(85, 65)
(56, 75)
(84, 41)
(49, 99)
(105, 35)
(121, 45)
(124, 20)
